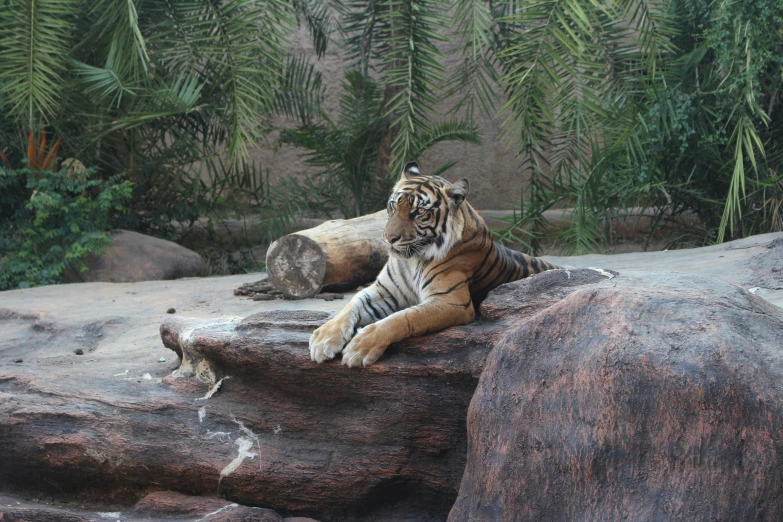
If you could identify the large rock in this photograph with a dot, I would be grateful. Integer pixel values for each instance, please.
(132, 257)
(110, 426)
(387, 443)
(160, 506)
(640, 396)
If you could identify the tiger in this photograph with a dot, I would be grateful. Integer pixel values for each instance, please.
(442, 263)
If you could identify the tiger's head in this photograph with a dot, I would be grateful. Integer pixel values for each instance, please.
(424, 218)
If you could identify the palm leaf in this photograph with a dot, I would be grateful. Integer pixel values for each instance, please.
(35, 38)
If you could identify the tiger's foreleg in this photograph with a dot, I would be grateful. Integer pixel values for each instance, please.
(448, 304)
(374, 303)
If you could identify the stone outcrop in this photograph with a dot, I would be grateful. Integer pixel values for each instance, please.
(387, 443)
(281, 432)
(646, 396)
(161, 506)
(605, 394)
(132, 257)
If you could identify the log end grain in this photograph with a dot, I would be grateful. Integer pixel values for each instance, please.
(296, 266)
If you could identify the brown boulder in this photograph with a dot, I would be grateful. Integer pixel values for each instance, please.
(132, 257)
(324, 441)
(384, 443)
(108, 427)
(168, 505)
(159, 506)
(646, 396)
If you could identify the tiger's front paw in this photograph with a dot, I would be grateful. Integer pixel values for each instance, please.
(329, 339)
(366, 348)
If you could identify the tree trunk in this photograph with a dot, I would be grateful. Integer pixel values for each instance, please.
(335, 256)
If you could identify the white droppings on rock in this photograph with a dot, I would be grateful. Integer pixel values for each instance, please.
(213, 390)
(245, 445)
(219, 434)
(205, 373)
(601, 271)
(114, 515)
(202, 412)
(147, 377)
(230, 506)
(191, 362)
(247, 431)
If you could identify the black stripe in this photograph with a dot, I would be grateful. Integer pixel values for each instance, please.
(450, 258)
(534, 264)
(445, 220)
(396, 304)
(488, 272)
(489, 251)
(450, 289)
(366, 310)
(407, 283)
(503, 271)
(388, 271)
(466, 305)
(375, 313)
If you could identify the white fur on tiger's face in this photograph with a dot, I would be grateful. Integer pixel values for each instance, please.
(443, 263)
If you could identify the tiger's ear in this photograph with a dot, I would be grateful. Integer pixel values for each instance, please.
(411, 170)
(457, 191)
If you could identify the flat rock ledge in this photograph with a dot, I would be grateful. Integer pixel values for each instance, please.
(386, 442)
(581, 394)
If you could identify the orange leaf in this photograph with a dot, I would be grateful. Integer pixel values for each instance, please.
(30, 151)
(41, 149)
(5, 159)
(48, 162)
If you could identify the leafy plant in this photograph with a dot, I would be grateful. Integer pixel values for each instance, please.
(399, 40)
(666, 105)
(155, 91)
(50, 221)
(347, 151)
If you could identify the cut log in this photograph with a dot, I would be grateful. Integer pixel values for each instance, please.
(335, 256)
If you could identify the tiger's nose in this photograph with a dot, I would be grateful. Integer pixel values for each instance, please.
(391, 238)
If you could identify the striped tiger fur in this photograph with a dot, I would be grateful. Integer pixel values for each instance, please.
(442, 264)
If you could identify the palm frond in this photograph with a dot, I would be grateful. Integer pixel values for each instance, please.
(412, 71)
(299, 92)
(451, 130)
(318, 18)
(35, 38)
(474, 82)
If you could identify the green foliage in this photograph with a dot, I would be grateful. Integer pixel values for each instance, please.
(346, 151)
(50, 221)
(668, 105)
(155, 91)
(399, 39)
